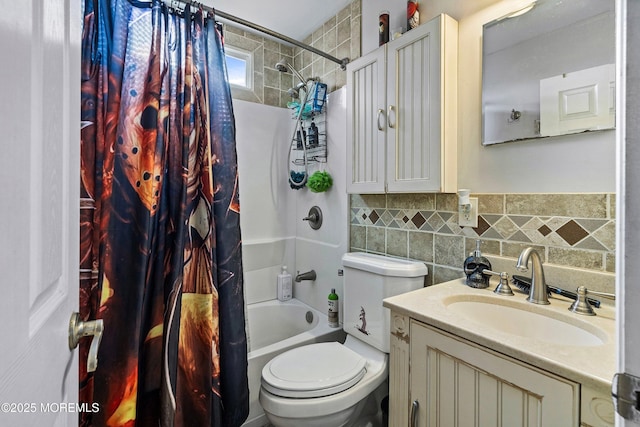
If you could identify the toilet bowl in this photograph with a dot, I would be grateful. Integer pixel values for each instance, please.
(329, 385)
(332, 384)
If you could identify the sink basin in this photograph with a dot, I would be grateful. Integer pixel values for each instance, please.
(528, 320)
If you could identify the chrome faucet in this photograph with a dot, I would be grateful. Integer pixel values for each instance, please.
(538, 294)
(309, 275)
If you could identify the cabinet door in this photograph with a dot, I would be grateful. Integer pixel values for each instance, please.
(366, 124)
(422, 98)
(457, 383)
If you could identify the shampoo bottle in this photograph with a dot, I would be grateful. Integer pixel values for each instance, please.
(334, 310)
(285, 286)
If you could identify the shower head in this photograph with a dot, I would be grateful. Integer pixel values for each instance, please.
(294, 92)
(284, 67)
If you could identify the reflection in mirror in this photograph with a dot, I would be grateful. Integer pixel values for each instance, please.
(549, 71)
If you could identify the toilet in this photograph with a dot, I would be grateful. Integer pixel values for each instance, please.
(331, 384)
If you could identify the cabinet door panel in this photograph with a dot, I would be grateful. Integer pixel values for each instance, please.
(413, 70)
(459, 384)
(366, 124)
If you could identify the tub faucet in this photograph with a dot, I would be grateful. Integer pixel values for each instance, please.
(309, 275)
(538, 291)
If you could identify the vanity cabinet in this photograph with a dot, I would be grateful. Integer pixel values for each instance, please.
(439, 379)
(402, 113)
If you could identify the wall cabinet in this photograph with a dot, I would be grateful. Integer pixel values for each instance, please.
(402, 113)
(438, 379)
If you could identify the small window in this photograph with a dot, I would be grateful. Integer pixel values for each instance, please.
(239, 67)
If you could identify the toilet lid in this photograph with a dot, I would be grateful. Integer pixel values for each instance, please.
(313, 370)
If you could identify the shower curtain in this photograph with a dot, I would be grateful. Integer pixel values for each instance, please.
(160, 230)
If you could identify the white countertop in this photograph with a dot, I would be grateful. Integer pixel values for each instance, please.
(592, 366)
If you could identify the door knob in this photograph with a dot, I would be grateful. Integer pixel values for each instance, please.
(78, 329)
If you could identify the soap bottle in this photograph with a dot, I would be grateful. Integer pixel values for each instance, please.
(473, 268)
(313, 135)
(334, 309)
(285, 285)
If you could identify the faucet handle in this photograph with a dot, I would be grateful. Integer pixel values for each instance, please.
(503, 287)
(582, 306)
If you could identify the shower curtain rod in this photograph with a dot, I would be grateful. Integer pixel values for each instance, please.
(342, 62)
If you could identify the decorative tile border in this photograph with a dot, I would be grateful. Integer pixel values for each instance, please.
(506, 224)
(547, 231)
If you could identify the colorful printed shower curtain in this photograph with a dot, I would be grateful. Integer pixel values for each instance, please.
(160, 230)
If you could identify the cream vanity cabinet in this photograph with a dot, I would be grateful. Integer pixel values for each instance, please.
(402, 113)
(438, 379)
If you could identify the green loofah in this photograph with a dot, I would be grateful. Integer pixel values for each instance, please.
(319, 182)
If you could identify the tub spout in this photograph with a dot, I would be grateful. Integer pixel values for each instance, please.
(309, 275)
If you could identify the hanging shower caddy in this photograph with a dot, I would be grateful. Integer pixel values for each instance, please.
(308, 149)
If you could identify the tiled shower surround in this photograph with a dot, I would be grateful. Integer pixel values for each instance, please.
(574, 230)
(339, 36)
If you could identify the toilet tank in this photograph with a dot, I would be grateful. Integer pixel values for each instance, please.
(368, 279)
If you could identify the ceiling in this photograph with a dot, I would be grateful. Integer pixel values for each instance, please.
(294, 18)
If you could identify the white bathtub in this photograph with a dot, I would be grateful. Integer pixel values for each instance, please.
(275, 327)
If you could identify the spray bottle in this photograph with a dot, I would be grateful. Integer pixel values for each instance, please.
(334, 310)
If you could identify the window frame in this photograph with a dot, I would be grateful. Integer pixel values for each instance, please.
(242, 55)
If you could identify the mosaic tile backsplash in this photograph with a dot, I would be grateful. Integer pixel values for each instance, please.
(576, 230)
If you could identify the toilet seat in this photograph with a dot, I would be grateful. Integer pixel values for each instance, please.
(314, 370)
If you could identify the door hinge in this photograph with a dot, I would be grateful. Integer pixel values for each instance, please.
(625, 390)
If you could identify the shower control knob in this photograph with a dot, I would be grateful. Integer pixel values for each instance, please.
(314, 217)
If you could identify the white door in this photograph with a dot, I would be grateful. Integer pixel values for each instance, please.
(39, 191)
(628, 197)
(578, 101)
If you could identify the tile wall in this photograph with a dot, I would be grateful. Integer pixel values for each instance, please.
(339, 36)
(572, 230)
(269, 85)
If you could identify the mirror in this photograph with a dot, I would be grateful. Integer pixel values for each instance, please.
(549, 71)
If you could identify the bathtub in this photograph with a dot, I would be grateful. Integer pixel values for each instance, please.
(275, 327)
